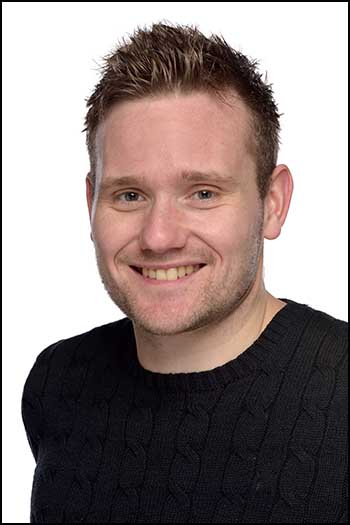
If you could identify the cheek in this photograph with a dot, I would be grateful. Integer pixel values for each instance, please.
(109, 234)
(228, 232)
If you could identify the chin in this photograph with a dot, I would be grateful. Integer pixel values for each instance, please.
(162, 326)
(169, 324)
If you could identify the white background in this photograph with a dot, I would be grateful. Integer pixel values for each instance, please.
(52, 289)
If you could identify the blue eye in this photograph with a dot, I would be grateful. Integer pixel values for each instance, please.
(131, 194)
(129, 197)
(205, 193)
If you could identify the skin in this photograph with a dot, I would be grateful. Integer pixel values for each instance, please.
(223, 308)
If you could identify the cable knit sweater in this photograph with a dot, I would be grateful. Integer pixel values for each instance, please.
(261, 439)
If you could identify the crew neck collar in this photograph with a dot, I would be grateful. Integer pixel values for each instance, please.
(242, 365)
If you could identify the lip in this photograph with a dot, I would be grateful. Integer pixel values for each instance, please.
(156, 282)
(167, 266)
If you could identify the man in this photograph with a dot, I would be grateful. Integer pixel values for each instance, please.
(212, 401)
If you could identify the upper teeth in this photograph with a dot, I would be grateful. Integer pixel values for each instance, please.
(171, 274)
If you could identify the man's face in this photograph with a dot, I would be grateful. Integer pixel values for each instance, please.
(194, 201)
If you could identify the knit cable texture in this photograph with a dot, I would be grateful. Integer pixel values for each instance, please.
(261, 439)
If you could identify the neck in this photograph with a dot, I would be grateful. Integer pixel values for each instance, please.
(211, 346)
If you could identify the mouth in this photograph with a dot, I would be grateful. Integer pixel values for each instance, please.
(167, 276)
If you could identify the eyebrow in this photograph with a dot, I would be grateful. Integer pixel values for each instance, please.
(185, 176)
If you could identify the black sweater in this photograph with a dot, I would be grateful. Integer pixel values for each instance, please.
(261, 439)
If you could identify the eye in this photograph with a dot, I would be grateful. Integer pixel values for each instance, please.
(130, 196)
(206, 194)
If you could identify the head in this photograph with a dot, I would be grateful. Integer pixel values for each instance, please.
(174, 59)
(183, 140)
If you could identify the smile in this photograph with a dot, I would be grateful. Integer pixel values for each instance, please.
(162, 276)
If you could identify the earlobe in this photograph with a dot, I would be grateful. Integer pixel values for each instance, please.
(277, 201)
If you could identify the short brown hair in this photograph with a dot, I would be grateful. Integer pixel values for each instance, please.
(170, 58)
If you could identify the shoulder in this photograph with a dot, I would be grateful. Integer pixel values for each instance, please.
(68, 370)
(332, 332)
(318, 320)
(73, 353)
(64, 367)
(318, 334)
(336, 327)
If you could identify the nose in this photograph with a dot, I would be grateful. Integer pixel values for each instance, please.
(163, 228)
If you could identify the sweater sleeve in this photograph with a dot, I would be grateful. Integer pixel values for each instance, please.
(32, 407)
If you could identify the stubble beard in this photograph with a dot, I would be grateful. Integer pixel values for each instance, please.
(218, 299)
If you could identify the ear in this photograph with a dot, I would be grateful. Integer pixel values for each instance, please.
(89, 193)
(277, 201)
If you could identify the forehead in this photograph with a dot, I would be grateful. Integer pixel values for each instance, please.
(194, 131)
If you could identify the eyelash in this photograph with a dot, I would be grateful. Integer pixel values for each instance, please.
(117, 197)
